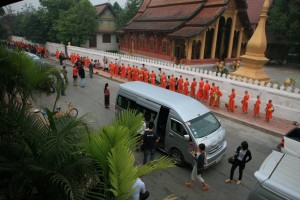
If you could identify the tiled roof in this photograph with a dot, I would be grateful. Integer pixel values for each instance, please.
(101, 7)
(172, 12)
(183, 18)
(207, 16)
(187, 32)
(153, 26)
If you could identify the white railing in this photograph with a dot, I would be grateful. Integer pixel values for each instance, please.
(286, 101)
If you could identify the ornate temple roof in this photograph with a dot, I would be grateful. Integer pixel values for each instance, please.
(182, 18)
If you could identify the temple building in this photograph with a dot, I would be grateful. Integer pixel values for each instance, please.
(105, 39)
(188, 31)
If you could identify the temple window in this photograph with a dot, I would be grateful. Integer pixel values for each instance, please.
(164, 47)
(106, 38)
(151, 44)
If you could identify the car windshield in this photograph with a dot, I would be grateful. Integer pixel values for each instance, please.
(203, 125)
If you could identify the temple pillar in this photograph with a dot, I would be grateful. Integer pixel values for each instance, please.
(173, 48)
(189, 49)
(203, 45)
(238, 54)
(222, 41)
(214, 43)
(231, 35)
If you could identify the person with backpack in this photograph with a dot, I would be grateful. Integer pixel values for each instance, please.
(200, 160)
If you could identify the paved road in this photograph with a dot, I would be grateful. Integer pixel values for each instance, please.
(171, 181)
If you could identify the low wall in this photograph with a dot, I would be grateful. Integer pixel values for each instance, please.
(285, 100)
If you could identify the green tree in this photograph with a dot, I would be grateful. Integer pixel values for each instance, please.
(131, 8)
(53, 9)
(77, 24)
(284, 20)
(3, 30)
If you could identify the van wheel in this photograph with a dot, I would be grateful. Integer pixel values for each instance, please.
(177, 157)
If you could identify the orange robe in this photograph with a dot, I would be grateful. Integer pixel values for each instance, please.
(128, 68)
(206, 91)
(111, 69)
(141, 75)
(123, 71)
(86, 62)
(269, 111)
(146, 76)
(172, 84)
(180, 85)
(133, 72)
(193, 88)
(217, 97)
(256, 108)
(212, 95)
(163, 80)
(245, 103)
(116, 68)
(153, 78)
(186, 88)
(231, 105)
(199, 94)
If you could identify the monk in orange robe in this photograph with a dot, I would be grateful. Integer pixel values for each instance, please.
(111, 69)
(133, 73)
(141, 75)
(146, 76)
(116, 69)
(128, 68)
(256, 108)
(212, 94)
(217, 97)
(231, 105)
(163, 80)
(199, 94)
(193, 88)
(153, 78)
(245, 102)
(86, 62)
(186, 86)
(137, 73)
(172, 83)
(206, 91)
(56, 54)
(123, 71)
(180, 84)
(269, 110)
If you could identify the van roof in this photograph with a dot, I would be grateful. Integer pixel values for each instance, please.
(187, 107)
(280, 172)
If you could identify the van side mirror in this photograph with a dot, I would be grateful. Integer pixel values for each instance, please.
(186, 137)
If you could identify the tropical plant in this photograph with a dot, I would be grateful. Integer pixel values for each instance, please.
(111, 148)
(63, 158)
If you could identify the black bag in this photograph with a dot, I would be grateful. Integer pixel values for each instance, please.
(231, 159)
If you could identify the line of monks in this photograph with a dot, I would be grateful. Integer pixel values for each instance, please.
(206, 92)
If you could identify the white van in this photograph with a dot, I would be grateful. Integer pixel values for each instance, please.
(278, 178)
(181, 122)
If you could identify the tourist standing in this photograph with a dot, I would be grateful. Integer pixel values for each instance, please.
(269, 110)
(75, 75)
(91, 69)
(199, 161)
(149, 141)
(81, 73)
(106, 95)
(242, 156)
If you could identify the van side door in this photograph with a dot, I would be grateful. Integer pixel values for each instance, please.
(161, 126)
(175, 140)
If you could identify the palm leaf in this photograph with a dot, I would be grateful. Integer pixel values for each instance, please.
(122, 173)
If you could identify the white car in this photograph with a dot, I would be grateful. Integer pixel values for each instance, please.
(290, 143)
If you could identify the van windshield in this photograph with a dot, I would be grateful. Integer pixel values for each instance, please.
(203, 125)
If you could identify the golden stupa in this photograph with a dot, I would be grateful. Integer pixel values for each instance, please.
(254, 59)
